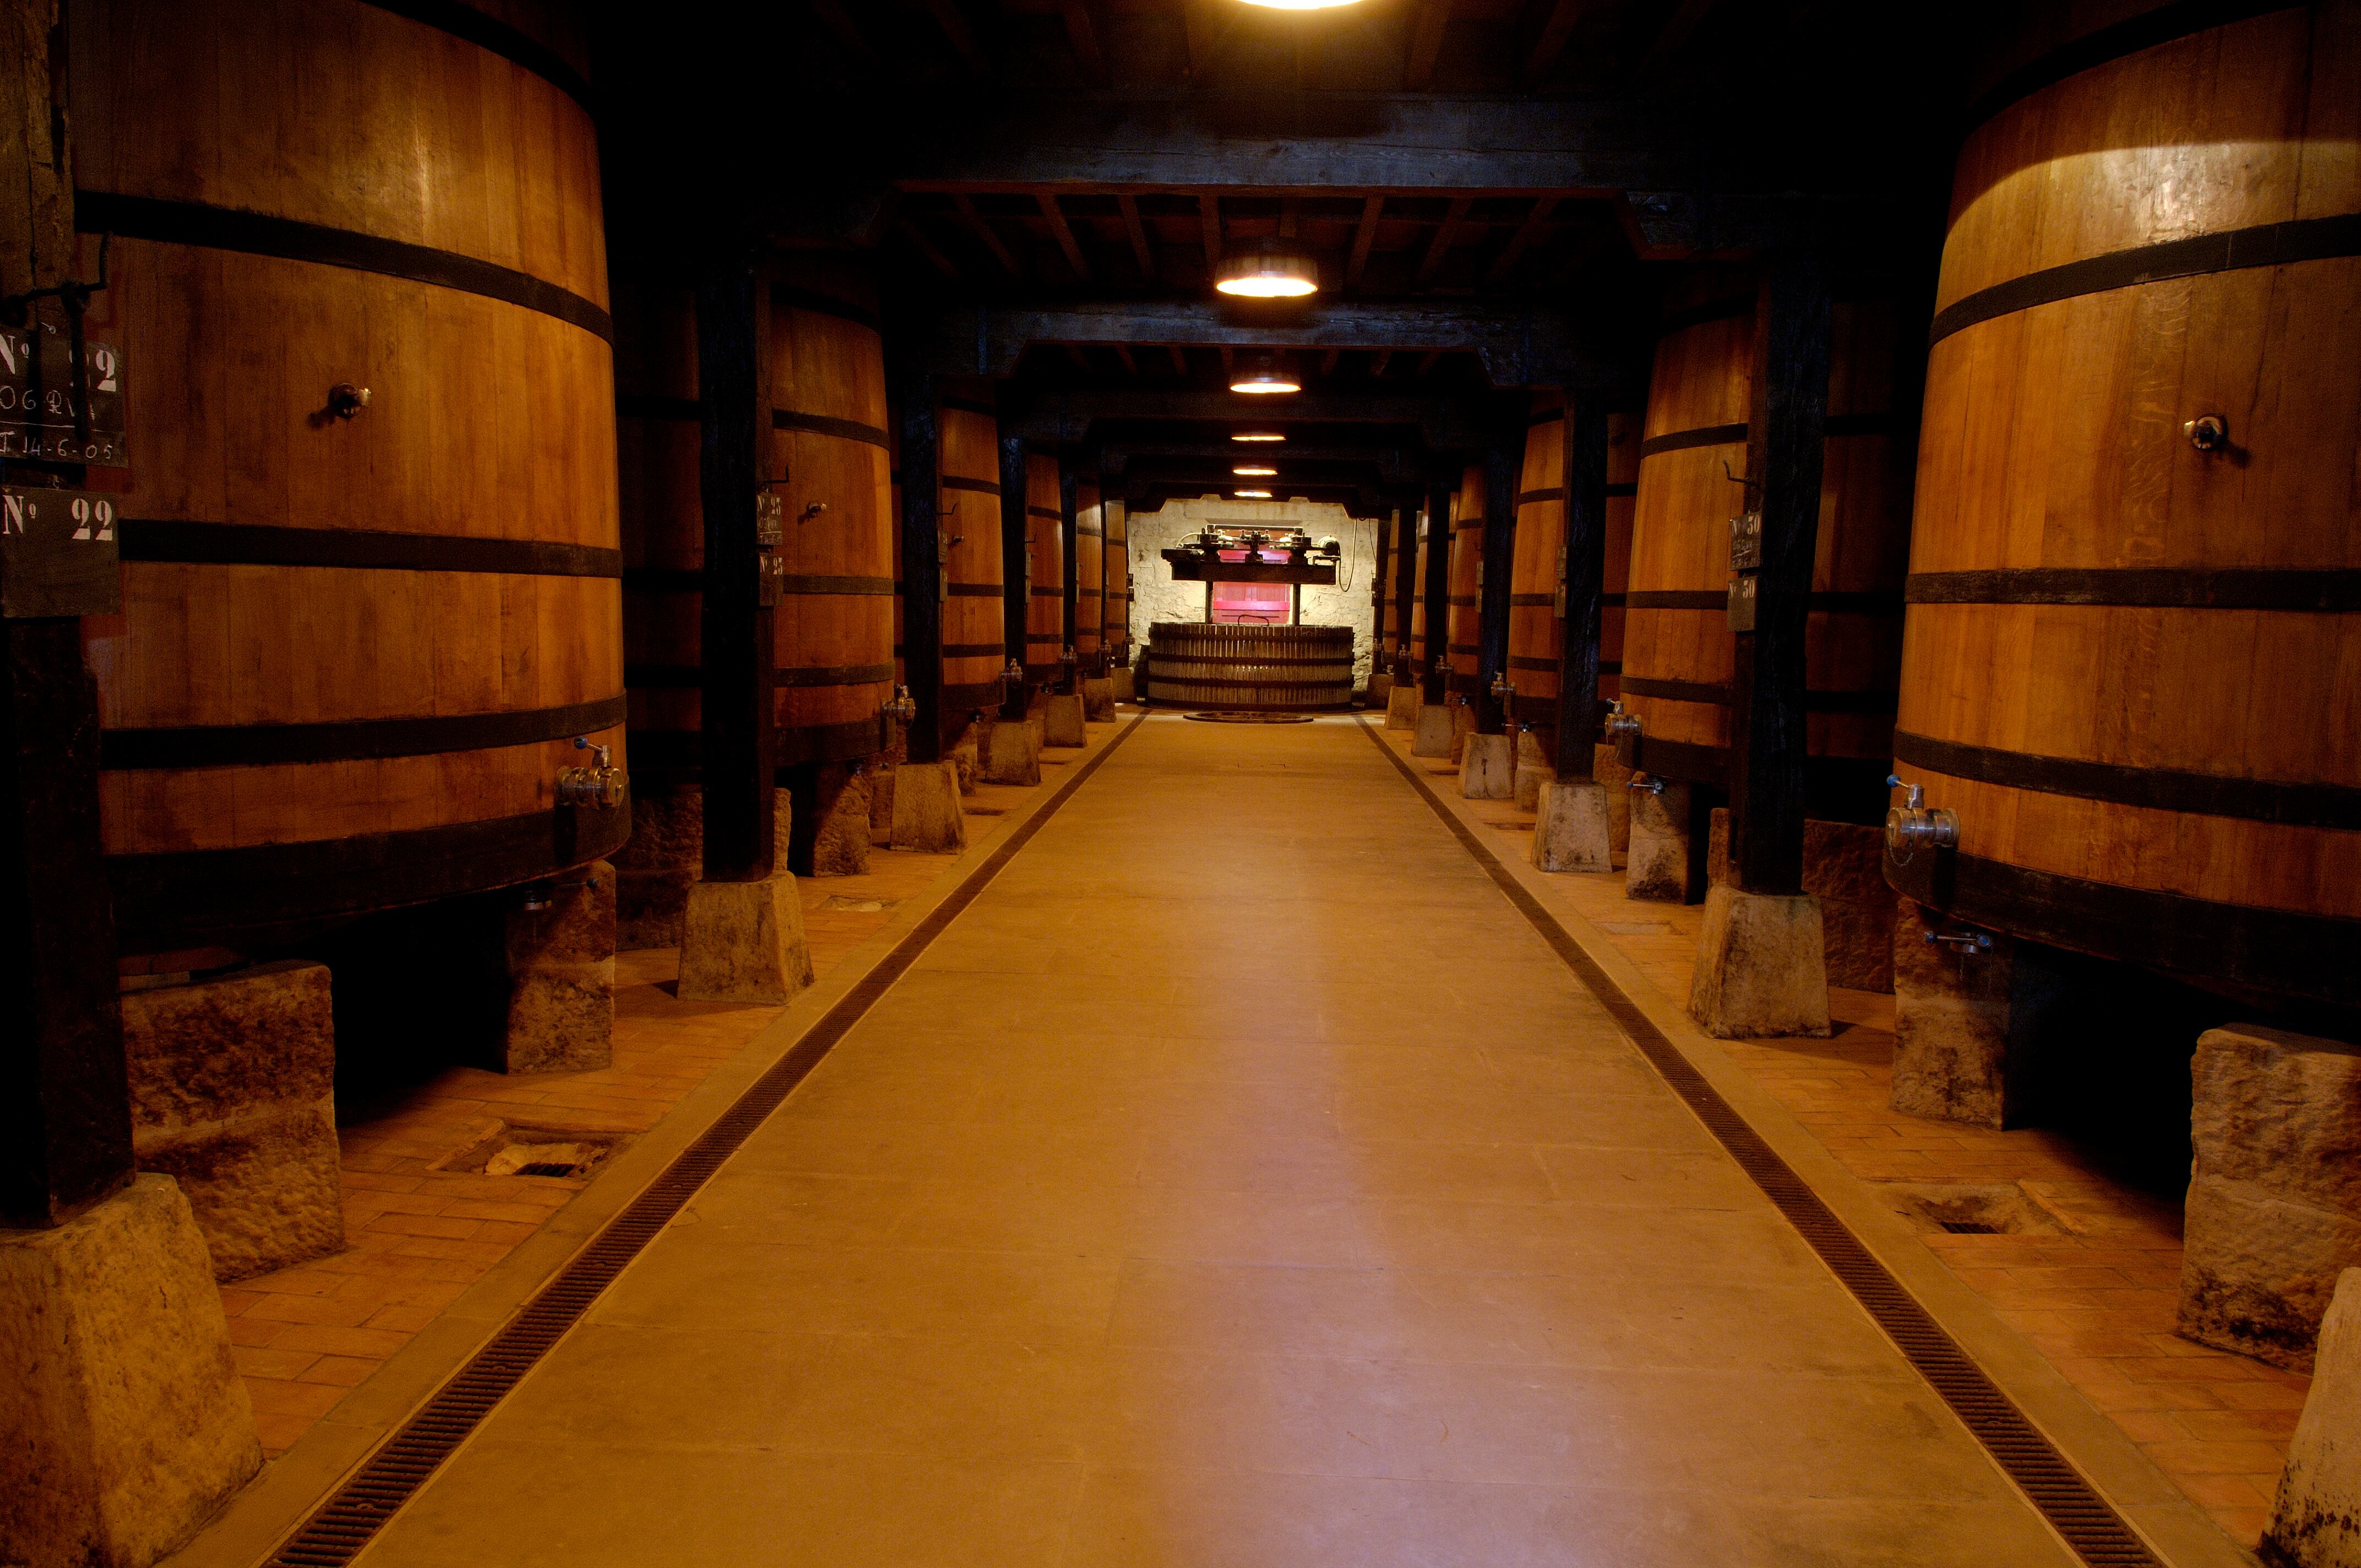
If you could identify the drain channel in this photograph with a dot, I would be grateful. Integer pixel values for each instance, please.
(2092, 1529)
(393, 1476)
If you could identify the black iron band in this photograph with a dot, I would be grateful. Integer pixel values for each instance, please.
(1532, 601)
(1528, 497)
(868, 586)
(1521, 662)
(974, 590)
(802, 743)
(974, 650)
(463, 21)
(2161, 26)
(655, 405)
(2334, 807)
(2333, 591)
(2312, 956)
(1051, 513)
(827, 424)
(833, 675)
(352, 739)
(2266, 245)
(961, 482)
(786, 296)
(258, 234)
(1681, 440)
(180, 542)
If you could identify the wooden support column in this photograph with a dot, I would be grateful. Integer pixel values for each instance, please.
(1068, 519)
(922, 562)
(1434, 677)
(1407, 586)
(1792, 343)
(1386, 528)
(1586, 576)
(739, 730)
(1504, 460)
(1015, 559)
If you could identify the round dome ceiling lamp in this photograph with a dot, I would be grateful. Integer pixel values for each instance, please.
(1251, 495)
(1263, 375)
(1254, 471)
(1267, 270)
(1257, 435)
(1302, 5)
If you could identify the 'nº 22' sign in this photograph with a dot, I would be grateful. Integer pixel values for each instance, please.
(59, 554)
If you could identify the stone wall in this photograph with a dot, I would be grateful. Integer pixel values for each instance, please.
(1155, 597)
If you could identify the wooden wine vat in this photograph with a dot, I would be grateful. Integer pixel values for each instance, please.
(2129, 666)
(1677, 645)
(1116, 633)
(975, 630)
(1422, 656)
(1260, 669)
(354, 651)
(1090, 577)
(1536, 615)
(833, 632)
(1462, 636)
(1044, 555)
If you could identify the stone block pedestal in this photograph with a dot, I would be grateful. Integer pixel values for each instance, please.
(1062, 721)
(1573, 832)
(1098, 700)
(1011, 755)
(1381, 690)
(1964, 1023)
(743, 941)
(1402, 708)
(2317, 1522)
(1844, 868)
(655, 866)
(966, 759)
(927, 815)
(2274, 1191)
(1487, 768)
(1126, 684)
(561, 965)
(1533, 770)
(1657, 865)
(1760, 968)
(835, 800)
(233, 1095)
(126, 1423)
(1432, 736)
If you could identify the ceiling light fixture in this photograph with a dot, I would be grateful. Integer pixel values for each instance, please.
(1257, 435)
(1301, 4)
(1251, 495)
(1254, 471)
(1267, 270)
(1263, 375)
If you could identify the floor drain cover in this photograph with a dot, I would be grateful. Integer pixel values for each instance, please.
(858, 906)
(562, 1152)
(1228, 717)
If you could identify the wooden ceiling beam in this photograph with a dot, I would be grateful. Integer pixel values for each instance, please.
(1328, 361)
(1209, 221)
(1379, 361)
(1130, 366)
(1180, 359)
(834, 16)
(953, 21)
(1527, 232)
(1678, 28)
(1364, 233)
(983, 231)
(1428, 361)
(1426, 43)
(1082, 32)
(1064, 234)
(1439, 245)
(1549, 44)
(1081, 360)
(926, 247)
(1205, 27)
(1137, 232)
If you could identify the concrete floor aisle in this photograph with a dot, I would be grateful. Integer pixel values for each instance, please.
(1240, 1181)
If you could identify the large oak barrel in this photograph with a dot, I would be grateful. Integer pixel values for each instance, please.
(1678, 647)
(833, 634)
(2130, 662)
(354, 651)
(1536, 616)
(1258, 669)
(1463, 635)
(975, 626)
(1045, 558)
(1090, 575)
(1432, 531)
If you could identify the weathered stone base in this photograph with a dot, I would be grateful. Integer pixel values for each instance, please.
(927, 815)
(1098, 700)
(744, 942)
(1126, 687)
(127, 1423)
(1844, 868)
(1062, 721)
(1656, 867)
(1402, 707)
(2317, 1523)
(1487, 768)
(233, 1095)
(834, 799)
(1534, 768)
(1011, 754)
(966, 761)
(1615, 777)
(1433, 735)
(1759, 969)
(1463, 725)
(1571, 832)
(1964, 1025)
(561, 967)
(1381, 690)
(655, 868)
(2274, 1191)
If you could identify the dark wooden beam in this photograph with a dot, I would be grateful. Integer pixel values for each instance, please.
(953, 22)
(1069, 519)
(1550, 43)
(1504, 460)
(1428, 361)
(1379, 361)
(1180, 359)
(965, 205)
(928, 248)
(1137, 232)
(833, 17)
(1130, 366)
(1364, 234)
(1426, 43)
(1678, 28)
(1205, 27)
(1064, 234)
(922, 558)
(1435, 668)
(1209, 226)
(1083, 33)
(737, 739)
(1328, 361)
(1527, 232)
(1783, 458)
(1290, 212)
(1439, 247)
(1586, 578)
(1081, 360)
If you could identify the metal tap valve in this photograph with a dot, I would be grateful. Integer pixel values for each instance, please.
(900, 709)
(1647, 784)
(600, 784)
(1914, 825)
(1622, 732)
(1012, 678)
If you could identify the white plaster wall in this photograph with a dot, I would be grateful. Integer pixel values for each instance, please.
(1155, 597)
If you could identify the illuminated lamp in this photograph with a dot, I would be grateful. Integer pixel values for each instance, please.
(1269, 270)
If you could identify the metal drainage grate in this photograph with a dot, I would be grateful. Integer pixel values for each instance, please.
(393, 1476)
(1248, 716)
(2095, 1532)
